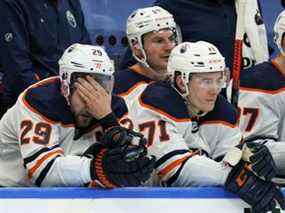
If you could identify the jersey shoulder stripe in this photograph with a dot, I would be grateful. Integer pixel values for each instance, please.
(223, 113)
(162, 98)
(127, 80)
(263, 78)
(44, 98)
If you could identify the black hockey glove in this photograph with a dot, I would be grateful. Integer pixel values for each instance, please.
(119, 168)
(261, 195)
(262, 163)
(120, 159)
(119, 136)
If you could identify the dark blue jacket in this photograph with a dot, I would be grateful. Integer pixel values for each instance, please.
(33, 36)
(208, 20)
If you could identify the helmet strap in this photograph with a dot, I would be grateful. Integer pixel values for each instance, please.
(143, 62)
(65, 91)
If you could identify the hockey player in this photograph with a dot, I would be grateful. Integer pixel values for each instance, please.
(37, 135)
(152, 34)
(188, 116)
(262, 99)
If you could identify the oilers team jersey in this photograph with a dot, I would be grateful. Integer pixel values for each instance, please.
(39, 144)
(261, 102)
(129, 83)
(174, 137)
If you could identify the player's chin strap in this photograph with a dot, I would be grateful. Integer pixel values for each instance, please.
(196, 113)
(143, 60)
(143, 63)
(191, 110)
(184, 95)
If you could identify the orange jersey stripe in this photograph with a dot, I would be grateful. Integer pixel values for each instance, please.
(271, 92)
(139, 69)
(48, 80)
(174, 164)
(42, 82)
(43, 159)
(37, 112)
(123, 94)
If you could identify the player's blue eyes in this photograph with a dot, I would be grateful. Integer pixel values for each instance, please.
(209, 82)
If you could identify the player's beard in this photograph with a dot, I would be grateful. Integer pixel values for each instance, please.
(83, 120)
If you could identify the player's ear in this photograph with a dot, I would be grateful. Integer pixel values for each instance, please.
(137, 51)
(180, 84)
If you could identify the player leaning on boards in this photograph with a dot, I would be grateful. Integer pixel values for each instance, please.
(152, 34)
(37, 135)
(187, 116)
(262, 99)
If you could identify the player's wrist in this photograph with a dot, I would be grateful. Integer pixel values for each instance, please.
(108, 121)
(97, 171)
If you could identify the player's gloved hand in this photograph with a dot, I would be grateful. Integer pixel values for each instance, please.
(119, 136)
(119, 167)
(262, 163)
(262, 195)
(120, 159)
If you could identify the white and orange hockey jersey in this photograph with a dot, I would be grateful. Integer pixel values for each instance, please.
(261, 102)
(161, 114)
(129, 83)
(37, 140)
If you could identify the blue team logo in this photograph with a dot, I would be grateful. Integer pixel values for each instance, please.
(70, 18)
